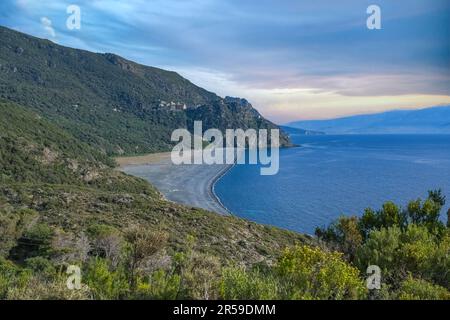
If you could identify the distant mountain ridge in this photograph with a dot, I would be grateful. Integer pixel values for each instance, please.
(108, 102)
(299, 131)
(433, 120)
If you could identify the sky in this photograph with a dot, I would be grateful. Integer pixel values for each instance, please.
(292, 59)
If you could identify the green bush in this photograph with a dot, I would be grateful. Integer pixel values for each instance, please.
(239, 284)
(12, 226)
(41, 266)
(104, 283)
(161, 285)
(11, 277)
(37, 241)
(417, 289)
(311, 273)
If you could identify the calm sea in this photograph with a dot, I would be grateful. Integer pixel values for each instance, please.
(329, 176)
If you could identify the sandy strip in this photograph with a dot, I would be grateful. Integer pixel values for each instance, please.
(191, 185)
(145, 159)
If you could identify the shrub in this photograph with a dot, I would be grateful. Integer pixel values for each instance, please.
(41, 266)
(12, 226)
(311, 273)
(104, 283)
(11, 276)
(55, 289)
(239, 284)
(161, 285)
(345, 234)
(417, 289)
(37, 241)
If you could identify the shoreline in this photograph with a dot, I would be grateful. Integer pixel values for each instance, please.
(213, 185)
(190, 185)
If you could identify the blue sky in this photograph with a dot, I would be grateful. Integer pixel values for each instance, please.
(293, 59)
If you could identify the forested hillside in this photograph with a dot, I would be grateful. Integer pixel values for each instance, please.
(61, 202)
(108, 102)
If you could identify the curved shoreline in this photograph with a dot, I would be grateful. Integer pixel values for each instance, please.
(191, 185)
(213, 185)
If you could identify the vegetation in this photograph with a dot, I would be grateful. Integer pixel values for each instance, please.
(62, 203)
(131, 244)
(108, 102)
(410, 246)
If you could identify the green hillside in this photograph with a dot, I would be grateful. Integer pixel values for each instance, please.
(62, 203)
(58, 194)
(107, 101)
(37, 158)
(32, 149)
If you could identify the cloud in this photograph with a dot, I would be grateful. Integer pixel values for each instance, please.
(263, 49)
(47, 25)
(22, 3)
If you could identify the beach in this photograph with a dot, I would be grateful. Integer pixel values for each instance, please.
(191, 185)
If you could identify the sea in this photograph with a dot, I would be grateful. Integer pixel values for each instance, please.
(328, 176)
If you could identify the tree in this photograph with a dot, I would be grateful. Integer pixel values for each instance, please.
(437, 197)
(201, 275)
(346, 233)
(12, 227)
(415, 250)
(448, 218)
(107, 242)
(36, 241)
(381, 249)
(389, 215)
(141, 246)
(439, 266)
(368, 222)
(106, 283)
(424, 213)
(418, 289)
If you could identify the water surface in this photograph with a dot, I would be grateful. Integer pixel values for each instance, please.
(334, 175)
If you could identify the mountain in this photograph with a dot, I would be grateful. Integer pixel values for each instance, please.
(434, 120)
(114, 105)
(61, 200)
(299, 131)
(67, 188)
(63, 206)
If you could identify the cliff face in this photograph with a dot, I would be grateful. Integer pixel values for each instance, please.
(113, 104)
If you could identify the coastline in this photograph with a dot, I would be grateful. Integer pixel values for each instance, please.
(213, 185)
(191, 185)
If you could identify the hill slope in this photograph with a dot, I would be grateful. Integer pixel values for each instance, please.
(113, 104)
(429, 120)
(32, 149)
(71, 187)
(53, 166)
